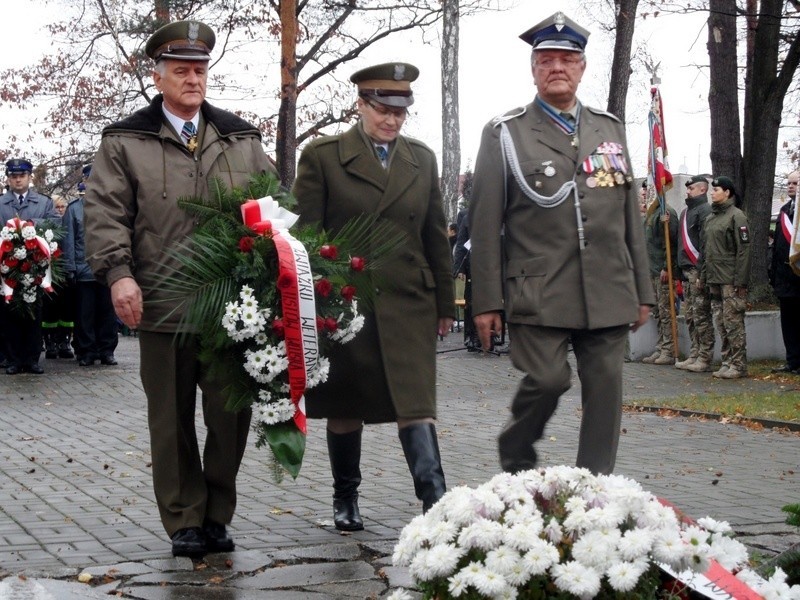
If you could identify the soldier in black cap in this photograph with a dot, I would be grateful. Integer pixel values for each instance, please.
(176, 147)
(23, 335)
(553, 180)
(372, 169)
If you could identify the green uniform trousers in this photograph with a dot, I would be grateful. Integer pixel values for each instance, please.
(541, 353)
(189, 490)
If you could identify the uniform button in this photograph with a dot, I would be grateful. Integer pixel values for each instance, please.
(581, 195)
(584, 218)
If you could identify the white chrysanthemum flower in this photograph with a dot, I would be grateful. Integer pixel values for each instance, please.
(522, 536)
(623, 576)
(458, 507)
(541, 556)
(52, 246)
(482, 534)
(261, 338)
(486, 503)
(519, 573)
(27, 280)
(264, 396)
(605, 517)
(524, 513)
(595, 549)
(438, 561)
(266, 413)
(657, 516)
(29, 297)
(246, 293)
(457, 585)
(730, 553)
(4, 269)
(320, 373)
(668, 547)
(48, 235)
(553, 531)
(489, 583)
(412, 538)
(577, 521)
(775, 588)
(695, 536)
(28, 232)
(577, 579)
(6, 234)
(442, 532)
(20, 253)
(714, 526)
(635, 543)
(400, 594)
(502, 559)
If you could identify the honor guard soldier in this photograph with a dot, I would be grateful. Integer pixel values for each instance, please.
(23, 335)
(557, 243)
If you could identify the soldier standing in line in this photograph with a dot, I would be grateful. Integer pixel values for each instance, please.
(657, 256)
(725, 272)
(697, 311)
(555, 177)
(785, 281)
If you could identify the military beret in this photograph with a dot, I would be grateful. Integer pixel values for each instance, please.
(18, 165)
(182, 40)
(557, 32)
(725, 183)
(387, 83)
(696, 179)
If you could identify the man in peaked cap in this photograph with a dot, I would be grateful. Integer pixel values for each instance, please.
(553, 181)
(697, 307)
(173, 148)
(373, 169)
(23, 336)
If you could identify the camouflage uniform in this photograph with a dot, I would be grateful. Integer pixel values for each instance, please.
(657, 253)
(725, 269)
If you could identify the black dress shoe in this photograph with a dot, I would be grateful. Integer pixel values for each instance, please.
(12, 370)
(217, 537)
(108, 359)
(346, 516)
(35, 368)
(190, 542)
(786, 369)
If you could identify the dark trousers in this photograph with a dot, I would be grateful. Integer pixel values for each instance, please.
(23, 336)
(790, 328)
(189, 488)
(96, 325)
(541, 353)
(58, 307)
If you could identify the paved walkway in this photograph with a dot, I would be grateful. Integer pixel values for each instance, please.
(76, 496)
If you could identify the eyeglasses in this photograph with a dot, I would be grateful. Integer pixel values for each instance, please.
(384, 111)
(550, 63)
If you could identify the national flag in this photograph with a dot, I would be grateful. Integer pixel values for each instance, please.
(658, 166)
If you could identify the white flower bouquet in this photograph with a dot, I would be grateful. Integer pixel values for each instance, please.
(562, 532)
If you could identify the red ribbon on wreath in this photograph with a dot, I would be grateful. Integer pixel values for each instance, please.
(296, 287)
(38, 243)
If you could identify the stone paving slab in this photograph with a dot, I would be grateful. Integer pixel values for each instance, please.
(76, 495)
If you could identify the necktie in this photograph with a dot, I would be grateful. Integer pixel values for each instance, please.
(188, 131)
(21, 199)
(383, 154)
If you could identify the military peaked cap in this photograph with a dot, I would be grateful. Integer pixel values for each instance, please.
(182, 40)
(387, 83)
(557, 32)
(19, 165)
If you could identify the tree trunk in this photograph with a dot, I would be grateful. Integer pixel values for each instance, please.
(285, 147)
(451, 138)
(723, 96)
(765, 92)
(621, 63)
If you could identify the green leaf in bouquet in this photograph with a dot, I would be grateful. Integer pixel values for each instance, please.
(288, 445)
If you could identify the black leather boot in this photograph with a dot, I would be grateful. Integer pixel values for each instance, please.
(64, 347)
(50, 343)
(422, 455)
(344, 450)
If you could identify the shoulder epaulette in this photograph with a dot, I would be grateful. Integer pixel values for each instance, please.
(597, 111)
(512, 114)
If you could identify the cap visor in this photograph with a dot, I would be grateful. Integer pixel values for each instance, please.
(398, 101)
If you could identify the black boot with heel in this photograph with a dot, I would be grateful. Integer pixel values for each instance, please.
(344, 450)
(422, 455)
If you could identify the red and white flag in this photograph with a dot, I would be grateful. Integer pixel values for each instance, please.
(658, 165)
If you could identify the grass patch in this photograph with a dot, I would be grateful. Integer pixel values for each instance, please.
(780, 404)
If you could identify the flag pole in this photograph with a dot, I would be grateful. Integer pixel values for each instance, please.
(659, 172)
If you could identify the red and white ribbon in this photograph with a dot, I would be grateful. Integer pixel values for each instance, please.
(794, 243)
(296, 286)
(787, 227)
(692, 253)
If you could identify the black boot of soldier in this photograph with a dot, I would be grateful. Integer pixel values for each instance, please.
(344, 450)
(422, 455)
(50, 343)
(64, 346)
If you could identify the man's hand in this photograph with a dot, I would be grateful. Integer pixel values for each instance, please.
(444, 326)
(487, 324)
(644, 314)
(127, 299)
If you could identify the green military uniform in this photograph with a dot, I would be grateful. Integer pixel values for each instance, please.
(724, 270)
(557, 244)
(657, 256)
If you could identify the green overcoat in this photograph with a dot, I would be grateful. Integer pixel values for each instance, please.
(389, 369)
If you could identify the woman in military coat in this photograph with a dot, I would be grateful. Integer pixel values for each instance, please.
(388, 372)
